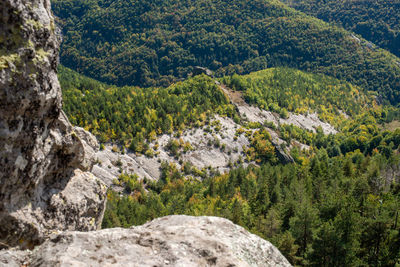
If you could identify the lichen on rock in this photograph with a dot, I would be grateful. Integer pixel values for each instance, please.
(169, 241)
(44, 186)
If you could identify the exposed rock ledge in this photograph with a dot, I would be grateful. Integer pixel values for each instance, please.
(168, 241)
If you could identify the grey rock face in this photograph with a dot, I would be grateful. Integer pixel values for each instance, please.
(43, 159)
(168, 241)
(13, 258)
(197, 70)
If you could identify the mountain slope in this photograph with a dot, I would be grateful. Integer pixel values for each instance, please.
(192, 121)
(375, 20)
(342, 187)
(157, 42)
(47, 191)
(133, 114)
(115, 113)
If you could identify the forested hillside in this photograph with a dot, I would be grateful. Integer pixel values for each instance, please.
(133, 115)
(339, 211)
(376, 20)
(283, 89)
(336, 205)
(149, 43)
(332, 201)
(294, 134)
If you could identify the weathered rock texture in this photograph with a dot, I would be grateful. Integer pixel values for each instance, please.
(168, 241)
(44, 186)
(204, 153)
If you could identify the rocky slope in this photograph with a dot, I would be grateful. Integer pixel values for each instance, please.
(168, 241)
(45, 185)
(209, 148)
(216, 147)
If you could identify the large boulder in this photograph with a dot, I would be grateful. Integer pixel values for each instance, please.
(197, 70)
(44, 161)
(169, 241)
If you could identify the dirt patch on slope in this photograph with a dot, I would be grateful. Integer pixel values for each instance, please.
(236, 97)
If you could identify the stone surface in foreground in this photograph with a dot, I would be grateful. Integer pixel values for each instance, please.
(45, 180)
(168, 241)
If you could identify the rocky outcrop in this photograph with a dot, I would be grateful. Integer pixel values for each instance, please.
(44, 183)
(168, 241)
(197, 70)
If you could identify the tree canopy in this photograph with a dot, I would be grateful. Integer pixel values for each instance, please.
(375, 20)
(149, 43)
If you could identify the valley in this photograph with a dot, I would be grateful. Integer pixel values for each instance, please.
(199, 133)
(273, 139)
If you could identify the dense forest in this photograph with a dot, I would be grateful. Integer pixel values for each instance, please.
(337, 202)
(132, 115)
(336, 205)
(324, 211)
(282, 89)
(150, 43)
(375, 20)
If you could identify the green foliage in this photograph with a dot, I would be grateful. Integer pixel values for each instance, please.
(359, 134)
(317, 213)
(131, 183)
(377, 21)
(150, 43)
(175, 146)
(135, 116)
(282, 89)
(132, 115)
(261, 150)
(337, 205)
